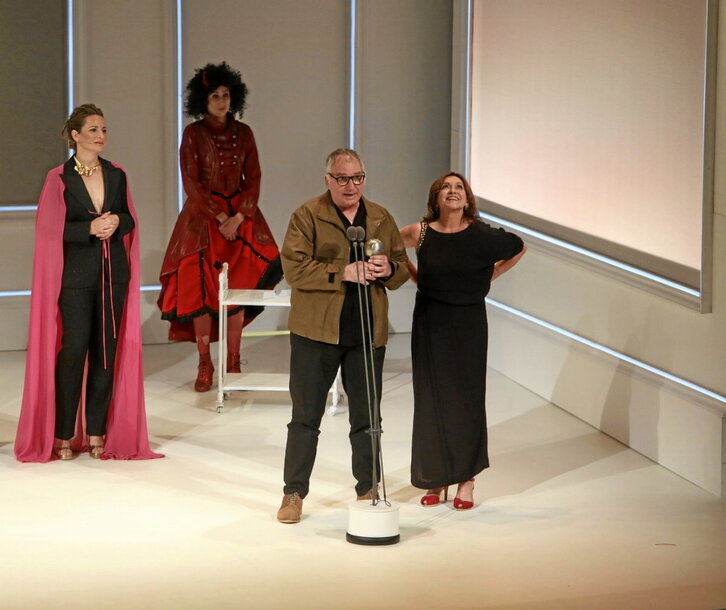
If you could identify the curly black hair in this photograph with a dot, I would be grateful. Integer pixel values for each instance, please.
(208, 79)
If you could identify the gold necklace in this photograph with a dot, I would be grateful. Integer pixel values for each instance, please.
(85, 170)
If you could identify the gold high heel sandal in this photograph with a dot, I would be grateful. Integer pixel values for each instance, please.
(63, 451)
(96, 451)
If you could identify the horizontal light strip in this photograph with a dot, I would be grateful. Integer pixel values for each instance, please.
(610, 352)
(593, 255)
(14, 293)
(26, 293)
(18, 208)
(265, 333)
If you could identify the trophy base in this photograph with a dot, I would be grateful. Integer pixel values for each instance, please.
(372, 525)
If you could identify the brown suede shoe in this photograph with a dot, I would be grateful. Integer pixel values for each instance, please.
(290, 509)
(367, 495)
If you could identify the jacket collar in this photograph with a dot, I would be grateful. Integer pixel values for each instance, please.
(326, 211)
(74, 183)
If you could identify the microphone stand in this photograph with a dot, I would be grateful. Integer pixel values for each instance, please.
(366, 524)
(356, 235)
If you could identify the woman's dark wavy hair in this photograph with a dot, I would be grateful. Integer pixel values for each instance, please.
(432, 213)
(208, 79)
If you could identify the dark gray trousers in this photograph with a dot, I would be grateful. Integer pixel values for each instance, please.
(82, 319)
(313, 366)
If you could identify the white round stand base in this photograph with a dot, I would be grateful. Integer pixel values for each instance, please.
(372, 525)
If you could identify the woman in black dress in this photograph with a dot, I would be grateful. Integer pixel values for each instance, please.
(458, 257)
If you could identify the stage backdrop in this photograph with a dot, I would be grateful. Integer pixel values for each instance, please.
(294, 57)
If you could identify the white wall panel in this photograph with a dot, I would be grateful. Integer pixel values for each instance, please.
(125, 65)
(404, 100)
(403, 104)
(679, 429)
(293, 57)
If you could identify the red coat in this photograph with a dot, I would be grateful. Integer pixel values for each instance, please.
(217, 159)
(204, 170)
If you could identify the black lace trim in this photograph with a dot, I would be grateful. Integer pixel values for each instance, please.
(272, 275)
(270, 278)
(170, 316)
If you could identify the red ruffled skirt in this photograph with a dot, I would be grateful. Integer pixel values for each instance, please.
(193, 289)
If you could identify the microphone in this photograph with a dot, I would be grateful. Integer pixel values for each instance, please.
(355, 234)
(352, 233)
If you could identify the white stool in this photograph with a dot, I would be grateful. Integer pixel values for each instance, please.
(265, 382)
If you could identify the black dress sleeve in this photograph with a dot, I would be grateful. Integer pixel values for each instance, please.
(501, 245)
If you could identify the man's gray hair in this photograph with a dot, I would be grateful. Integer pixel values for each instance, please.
(342, 152)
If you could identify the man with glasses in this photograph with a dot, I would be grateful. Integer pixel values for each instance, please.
(325, 318)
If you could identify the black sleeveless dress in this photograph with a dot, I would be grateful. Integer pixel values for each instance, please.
(449, 352)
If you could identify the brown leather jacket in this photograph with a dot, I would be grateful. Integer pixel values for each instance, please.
(313, 255)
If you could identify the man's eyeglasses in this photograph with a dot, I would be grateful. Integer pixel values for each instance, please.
(357, 179)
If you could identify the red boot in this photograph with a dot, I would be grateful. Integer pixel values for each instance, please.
(204, 374)
(233, 362)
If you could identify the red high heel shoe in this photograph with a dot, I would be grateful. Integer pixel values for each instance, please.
(460, 504)
(433, 496)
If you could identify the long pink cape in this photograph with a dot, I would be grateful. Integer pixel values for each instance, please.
(126, 433)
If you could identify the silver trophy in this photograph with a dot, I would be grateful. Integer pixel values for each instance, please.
(374, 246)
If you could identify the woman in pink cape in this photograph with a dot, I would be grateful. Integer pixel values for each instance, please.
(84, 338)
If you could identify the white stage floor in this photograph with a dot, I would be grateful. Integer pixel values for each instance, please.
(566, 517)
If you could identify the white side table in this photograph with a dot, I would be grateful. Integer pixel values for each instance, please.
(265, 382)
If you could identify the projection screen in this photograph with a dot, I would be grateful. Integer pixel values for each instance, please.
(589, 122)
